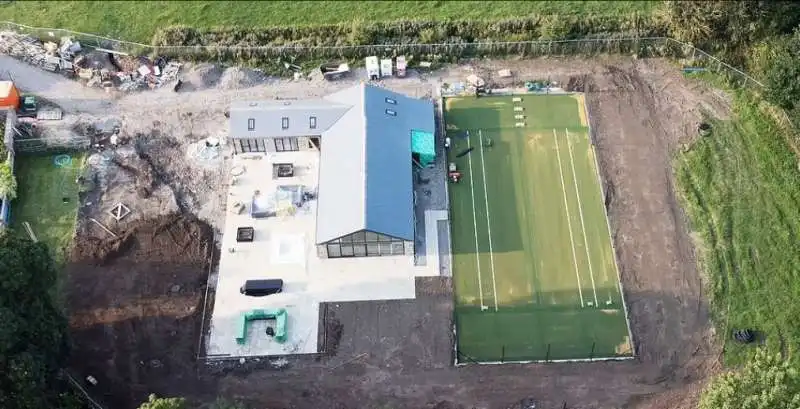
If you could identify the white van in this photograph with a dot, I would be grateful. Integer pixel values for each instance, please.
(386, 67)
(373, 69)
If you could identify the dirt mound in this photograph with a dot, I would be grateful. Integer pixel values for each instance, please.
(122, 176)
(168, 239)
(580, 83)
(202, 76)
(135, 305)
(143, 174)
(238, 78)
(576, 84)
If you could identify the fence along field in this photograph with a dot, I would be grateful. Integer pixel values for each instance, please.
(648, 44)
(137, 23)
(534, 271)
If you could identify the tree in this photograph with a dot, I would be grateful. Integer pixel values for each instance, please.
(154, 402)
(729, 27)
(765, 382)
(8, 183)
(782, 76)
(33, 341)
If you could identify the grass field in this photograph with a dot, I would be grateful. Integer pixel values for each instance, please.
(42, 187)
(741, 188)
(137, 21)
(534, 270)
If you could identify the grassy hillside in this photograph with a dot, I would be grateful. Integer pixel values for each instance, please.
(137, 21)
(742, 191)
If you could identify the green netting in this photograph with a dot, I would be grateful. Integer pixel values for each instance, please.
(422, 143)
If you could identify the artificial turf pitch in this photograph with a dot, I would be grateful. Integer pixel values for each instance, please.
(533, 265)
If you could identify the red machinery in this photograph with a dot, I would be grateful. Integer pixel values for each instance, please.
(453, 174)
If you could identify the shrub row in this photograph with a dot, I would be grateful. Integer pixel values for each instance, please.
(441, 39)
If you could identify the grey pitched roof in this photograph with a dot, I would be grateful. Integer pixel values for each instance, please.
(342, 172)
(267, 118)
(365, 178)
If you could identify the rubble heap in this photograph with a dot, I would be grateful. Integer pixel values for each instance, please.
(95, 67)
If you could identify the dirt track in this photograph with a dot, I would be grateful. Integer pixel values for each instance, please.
(398, 353)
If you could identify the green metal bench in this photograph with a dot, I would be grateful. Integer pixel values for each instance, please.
(279, 315)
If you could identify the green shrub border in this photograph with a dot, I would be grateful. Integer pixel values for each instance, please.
(445, 40)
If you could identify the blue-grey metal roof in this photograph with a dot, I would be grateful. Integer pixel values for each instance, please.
(366, 180)
(365, 171)
(390, 205)
(268, 118)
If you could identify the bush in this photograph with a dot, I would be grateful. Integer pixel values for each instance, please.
(728, 28)
(264, 45)
(8, 183)
(766, 381)
(782, 75)
(154, 402)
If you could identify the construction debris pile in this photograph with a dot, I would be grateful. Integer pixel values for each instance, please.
(96, 67)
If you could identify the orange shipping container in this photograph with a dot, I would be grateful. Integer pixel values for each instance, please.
(9, 95)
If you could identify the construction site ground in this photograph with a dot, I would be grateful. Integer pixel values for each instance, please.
(135, 287)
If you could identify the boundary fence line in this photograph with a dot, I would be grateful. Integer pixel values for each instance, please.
(79, 387)
(634, 45)
(40, 146)
(463, 359)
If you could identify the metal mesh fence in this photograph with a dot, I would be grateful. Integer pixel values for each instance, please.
(640, 46)
(47, 146)
(85, 38)
(550, 352)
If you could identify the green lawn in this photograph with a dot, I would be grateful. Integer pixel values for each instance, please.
(137, 21)
(741, 188)
(40, 201)
(534, 270)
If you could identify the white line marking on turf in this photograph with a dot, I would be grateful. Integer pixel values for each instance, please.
(488, 223)
(474, 220)
(580, 213)
(569, 223)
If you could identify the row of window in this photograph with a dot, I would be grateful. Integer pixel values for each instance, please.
(260, 145)
(366, 237)
(365, 250)
(312, 120)
(312, 123)
(286, 145)
(249, 145)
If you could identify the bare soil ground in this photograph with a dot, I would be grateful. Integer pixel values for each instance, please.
(136, 336)
(134, 307)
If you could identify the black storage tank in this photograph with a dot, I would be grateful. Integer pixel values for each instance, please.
(261, 288)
